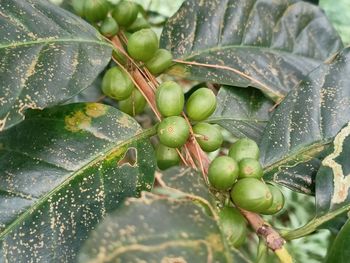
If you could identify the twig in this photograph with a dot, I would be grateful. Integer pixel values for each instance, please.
(273, 239)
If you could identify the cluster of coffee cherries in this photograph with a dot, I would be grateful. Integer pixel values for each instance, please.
(174, 130)
(142, 46)
(241, 173)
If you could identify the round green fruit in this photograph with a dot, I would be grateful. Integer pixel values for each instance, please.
(234, 226)
(244, 148)
(161, 60)
(143, 44)
(223, 172)
(125, 13)
(201, 104)
(139, 23)
(173, 131)
(251, 194)
(170, 99)
(116, 84)
(250, 168)
(95, 10)
(78, 6)
(277, 201)
(208, 136)
(133, 105)
(166, 157)
(109, 27)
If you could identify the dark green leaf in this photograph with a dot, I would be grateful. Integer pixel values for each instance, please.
(305, 123)
(270, 45)
(333, 178)
(171, 227)
(242, 111)
(339, 251)
(47, 55)
(62, 170)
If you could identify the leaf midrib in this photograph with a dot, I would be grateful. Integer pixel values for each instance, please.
(100, 157)
(50, 41)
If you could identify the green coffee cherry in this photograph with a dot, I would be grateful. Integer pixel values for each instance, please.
(201, 104)
(223, 172)
(109, 27)
(95, 10)
(170, 99)
(78, 6)
(208, 136)
(173, 131)
(166, 157)
(251, 194)
(161, 60)
(143, 44)
(125, 13)
(250, 168)
(139, 23)
(116, 84)
(234, 226)
(133, 105)
(277, 201)
(244, 148)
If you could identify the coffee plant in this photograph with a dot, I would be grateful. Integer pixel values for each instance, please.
(132, 135)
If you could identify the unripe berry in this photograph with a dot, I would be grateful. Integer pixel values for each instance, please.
(139, 23)
(234, 226)
(251, 194)
(244, 148)
(277, 201)
(109, 27)
(250, 168)
(143, 44)
(201, 104)
(166, 157)
(173, 131)
(125, 13)
(117, 84)
(133, 105)
(95, 10)
(208, 136)
(170, 99)
(161, 60)
(223, 172)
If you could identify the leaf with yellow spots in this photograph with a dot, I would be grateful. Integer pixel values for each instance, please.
(47, 56)
(169, 227)
(270, 45)
(62, 170)
(305, 124)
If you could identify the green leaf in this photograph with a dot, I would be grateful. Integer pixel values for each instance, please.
(332, 187)
(162, 228)
(339, 14)
(270, 45)
(339, 251)
(62, 170)
(47, 55)
(333, 178)
(242, 111)
(305, 124)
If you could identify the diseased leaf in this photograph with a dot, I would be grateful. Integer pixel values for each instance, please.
(62, 170)
(138, 231)
(270, 45)
(332, 188)
(305, 124)
(333, 178)
(339, 251)
(47, 55)
(242, 111)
